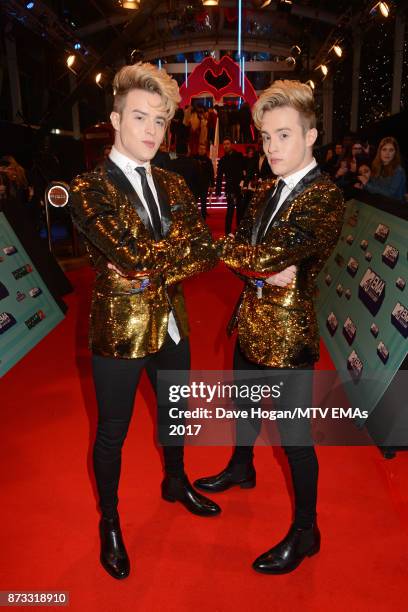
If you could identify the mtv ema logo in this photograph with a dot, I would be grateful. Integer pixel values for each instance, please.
(6, 321)
(3, 291)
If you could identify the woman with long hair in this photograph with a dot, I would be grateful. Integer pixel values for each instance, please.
(387, 176)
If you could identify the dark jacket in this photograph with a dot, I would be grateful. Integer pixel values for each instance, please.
(206, 172)
(231, 165)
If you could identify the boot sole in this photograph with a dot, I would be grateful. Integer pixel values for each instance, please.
(247, 484)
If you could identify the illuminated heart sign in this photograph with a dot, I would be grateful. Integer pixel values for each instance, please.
(218, 79)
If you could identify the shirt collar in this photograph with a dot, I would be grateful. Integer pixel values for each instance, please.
(293, 179)
(126, 164)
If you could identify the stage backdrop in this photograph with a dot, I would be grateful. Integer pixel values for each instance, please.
(363, 302)
(28, 312)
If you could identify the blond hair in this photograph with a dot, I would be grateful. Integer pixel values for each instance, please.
(294, 94)
(149, 78)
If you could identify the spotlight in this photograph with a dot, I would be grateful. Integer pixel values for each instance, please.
(337, 50)
(382, 7)
(77, 46)
(30, 5)
(260, 4)
(295, 50)
(290, 61)
(131, 4)
(71, 61)
(323, 68)
(98, 79)
(210, 2)
(285, 6)
(311, 84)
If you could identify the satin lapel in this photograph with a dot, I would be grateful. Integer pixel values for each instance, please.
(120, 181)
(259, 213)
(300, 187)
(164, 202)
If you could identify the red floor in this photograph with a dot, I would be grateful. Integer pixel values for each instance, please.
(179, 561)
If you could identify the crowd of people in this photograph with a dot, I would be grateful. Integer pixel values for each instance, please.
(355, 165)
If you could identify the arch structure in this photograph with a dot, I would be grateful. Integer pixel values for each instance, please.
(218, 79)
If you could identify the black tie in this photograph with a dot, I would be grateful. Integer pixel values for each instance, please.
(151, 203)
(270, 209)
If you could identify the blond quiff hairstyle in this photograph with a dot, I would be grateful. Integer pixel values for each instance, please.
(294, 94)
(148, 78)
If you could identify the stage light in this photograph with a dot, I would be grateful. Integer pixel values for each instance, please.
(290, 61)
(260, 4)
(131, 4)
(337, 50)
(77, 46)
(285, 6)
(30, 5)
(98, 79)
(296, 50)
(71, 61)
(323, 68)
(210, 2)
(382, 7)
(311, 84)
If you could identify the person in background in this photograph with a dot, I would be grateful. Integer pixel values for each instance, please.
(264, 169)
(18, 183)
(365, 171)
(231, 165)
(387, 176)
(250, 181)
(187, 167)
(206, 177)
(333, 157)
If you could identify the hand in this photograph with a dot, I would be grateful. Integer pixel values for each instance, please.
(284, 278)
(142, 276)
(363, 179)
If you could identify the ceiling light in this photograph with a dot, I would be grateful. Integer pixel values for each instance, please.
(323, 68)
(131, 4)
(71, 60)
(382, 7)
(210, 2)
(337, 50)
(296, 50)
(311, 84)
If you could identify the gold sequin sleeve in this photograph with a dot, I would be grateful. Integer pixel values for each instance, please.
(313, 226)
(96, 214)
(187, 225)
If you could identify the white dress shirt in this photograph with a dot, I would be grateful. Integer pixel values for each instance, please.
(290, 183)
(128, 167)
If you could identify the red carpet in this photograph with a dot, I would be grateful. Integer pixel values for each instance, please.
(179, 561)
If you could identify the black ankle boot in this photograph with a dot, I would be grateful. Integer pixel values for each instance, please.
(235, 474)
(114, 557)
(290, 552)
(176, 488)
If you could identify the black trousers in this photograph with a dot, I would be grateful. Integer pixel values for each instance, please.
(116, 382)
(295, 438)
(233, 200)
(203, 203)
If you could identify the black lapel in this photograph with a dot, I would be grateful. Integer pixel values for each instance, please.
(306, 181)
(164, 202)
(259, 213)
(120, 181)
(302, 185)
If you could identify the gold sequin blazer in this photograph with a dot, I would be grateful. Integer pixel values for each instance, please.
(128, 320)
(280, 329)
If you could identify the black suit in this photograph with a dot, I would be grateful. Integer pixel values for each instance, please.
(231, 166)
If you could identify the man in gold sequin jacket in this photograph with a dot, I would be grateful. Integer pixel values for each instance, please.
(144, 236)
(291, 227)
